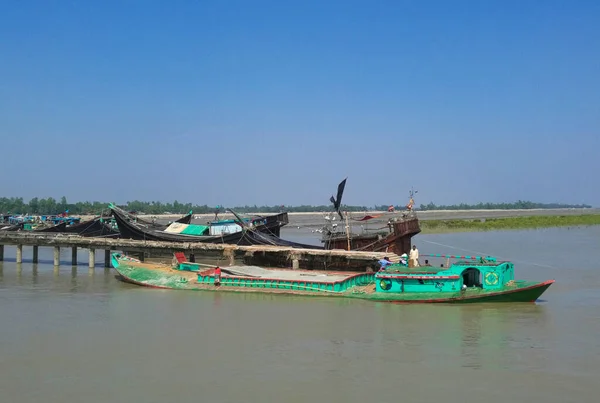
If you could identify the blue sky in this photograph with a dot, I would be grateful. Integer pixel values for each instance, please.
(275, 102)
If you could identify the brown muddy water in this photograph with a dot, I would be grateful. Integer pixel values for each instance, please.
(79, 335)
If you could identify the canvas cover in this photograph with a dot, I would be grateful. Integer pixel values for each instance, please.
(187, 229)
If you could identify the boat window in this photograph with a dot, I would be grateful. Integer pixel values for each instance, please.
(472, 277)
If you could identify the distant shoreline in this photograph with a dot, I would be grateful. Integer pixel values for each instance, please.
(431, 222)
(420, 214)
(508, 223)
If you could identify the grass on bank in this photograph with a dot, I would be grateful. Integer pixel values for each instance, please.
(509, 223)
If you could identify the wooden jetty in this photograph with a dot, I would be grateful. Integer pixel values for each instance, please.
(274, 256)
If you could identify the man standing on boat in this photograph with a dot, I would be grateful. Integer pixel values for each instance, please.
(414, 257)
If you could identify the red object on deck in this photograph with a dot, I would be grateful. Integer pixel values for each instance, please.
(180, 256)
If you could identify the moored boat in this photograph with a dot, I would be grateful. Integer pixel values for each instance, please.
(470, 279)
(253, 232)
(401, 227)
(95, 227)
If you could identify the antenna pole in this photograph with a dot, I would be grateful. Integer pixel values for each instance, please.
(347, 231)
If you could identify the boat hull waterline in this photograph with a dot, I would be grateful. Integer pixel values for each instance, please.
(353, 285)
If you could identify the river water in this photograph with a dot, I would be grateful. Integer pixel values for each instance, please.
(80, 335)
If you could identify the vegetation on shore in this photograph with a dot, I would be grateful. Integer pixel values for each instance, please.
(509, 223)
(16, 205)
(518, 205)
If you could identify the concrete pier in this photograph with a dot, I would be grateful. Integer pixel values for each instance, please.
(92, 259)
(35, 253)
(19, 253)
(273, 256)
(57, 256)
(74, 256)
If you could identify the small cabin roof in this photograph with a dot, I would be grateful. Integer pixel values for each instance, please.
(456, 268)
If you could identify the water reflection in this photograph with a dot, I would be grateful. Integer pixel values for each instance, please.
(73, 279)
(488, 335)
(108, 275)
(471, 330)
(34, 273)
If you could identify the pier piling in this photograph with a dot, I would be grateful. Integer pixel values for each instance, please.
(1, 253)
(74, 256)
(57, 256)
(230, 256)
(92, 260)
(35, 253)
(107, 258)
(19, 253)
(295, 262)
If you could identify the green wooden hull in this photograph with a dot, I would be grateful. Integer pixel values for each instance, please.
(359, 286)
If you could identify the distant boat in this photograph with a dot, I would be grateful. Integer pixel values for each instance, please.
(96, 227)
(60, 227)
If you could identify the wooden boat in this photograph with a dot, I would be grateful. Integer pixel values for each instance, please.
(401, 226)
(186, 219)
(96, 227)
(473, 279)
(12, 227)
(258, 232)
(60, 227)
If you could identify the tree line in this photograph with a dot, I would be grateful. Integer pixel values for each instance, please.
(16, 205)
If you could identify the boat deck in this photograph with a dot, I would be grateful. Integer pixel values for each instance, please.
(255, 272)
(278, 274)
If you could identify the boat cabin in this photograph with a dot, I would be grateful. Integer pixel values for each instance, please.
(469, 272)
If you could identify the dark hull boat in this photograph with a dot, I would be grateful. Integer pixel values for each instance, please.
(54, 228)
(95, 227)
(186, 219)
(132, 230)
(259, 233)
(12, 227)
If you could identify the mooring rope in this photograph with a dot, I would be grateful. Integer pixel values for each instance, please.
(487, 254)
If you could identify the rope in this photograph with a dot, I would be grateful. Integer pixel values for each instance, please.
(487, 254)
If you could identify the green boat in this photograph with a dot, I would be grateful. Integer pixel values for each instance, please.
(469, 279)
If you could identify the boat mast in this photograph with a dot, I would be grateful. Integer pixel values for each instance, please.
(347, 230)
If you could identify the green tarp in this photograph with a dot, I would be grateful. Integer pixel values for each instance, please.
(197, 230)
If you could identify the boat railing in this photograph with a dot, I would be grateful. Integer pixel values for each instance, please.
(479, 259)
